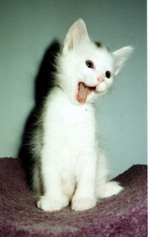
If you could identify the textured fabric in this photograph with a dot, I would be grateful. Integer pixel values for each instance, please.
(124, 215)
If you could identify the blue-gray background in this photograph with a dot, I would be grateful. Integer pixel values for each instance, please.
(28, 27)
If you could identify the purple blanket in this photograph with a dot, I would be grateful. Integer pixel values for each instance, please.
(124, 215)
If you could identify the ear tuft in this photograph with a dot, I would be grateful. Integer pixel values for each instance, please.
(120, 56)
(75, 35)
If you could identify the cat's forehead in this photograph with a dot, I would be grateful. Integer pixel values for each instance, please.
(99, 54)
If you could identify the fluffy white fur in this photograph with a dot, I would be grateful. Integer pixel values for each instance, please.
(69, 165)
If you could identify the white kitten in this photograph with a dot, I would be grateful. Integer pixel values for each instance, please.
(69, 165)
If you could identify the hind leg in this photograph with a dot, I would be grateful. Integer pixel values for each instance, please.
(104, 187)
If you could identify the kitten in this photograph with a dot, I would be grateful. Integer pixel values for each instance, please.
(69, 167)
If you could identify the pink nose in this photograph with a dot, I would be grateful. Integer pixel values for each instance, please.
(100, 79)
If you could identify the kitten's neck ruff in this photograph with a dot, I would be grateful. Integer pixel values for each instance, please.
(69, 111)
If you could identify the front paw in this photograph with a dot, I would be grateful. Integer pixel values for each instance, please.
(47, 203)
(83, 204)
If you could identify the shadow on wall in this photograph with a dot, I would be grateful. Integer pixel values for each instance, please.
(44, 81)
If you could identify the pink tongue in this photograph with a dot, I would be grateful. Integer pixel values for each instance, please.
(83, 91)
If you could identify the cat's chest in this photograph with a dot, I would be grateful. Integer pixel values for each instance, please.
(69, 124)
(69, 129)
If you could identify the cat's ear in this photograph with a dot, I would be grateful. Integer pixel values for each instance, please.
(75, 35)
(120, 56)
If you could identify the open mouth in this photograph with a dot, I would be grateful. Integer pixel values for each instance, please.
(84, 91)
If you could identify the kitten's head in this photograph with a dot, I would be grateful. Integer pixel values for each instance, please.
(87, 69)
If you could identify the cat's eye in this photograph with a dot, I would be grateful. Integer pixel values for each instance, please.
(89, 64)
(108, 74)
